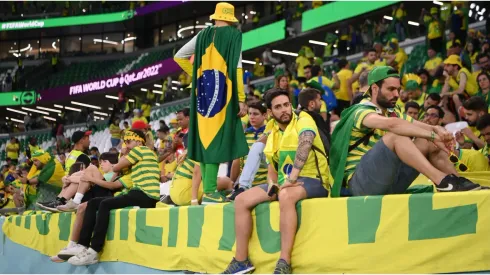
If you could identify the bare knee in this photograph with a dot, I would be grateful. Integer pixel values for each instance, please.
(244, 201)
(287, 198)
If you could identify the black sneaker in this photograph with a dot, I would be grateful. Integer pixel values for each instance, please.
(166, 199)
(235, 193)
(451, 183)
(52, 206)
(282, 267)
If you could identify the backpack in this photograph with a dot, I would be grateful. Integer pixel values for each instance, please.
(324, 132)
(328, 96)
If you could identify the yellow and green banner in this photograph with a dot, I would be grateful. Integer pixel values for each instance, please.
(417, 233)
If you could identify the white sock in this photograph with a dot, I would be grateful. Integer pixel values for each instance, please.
(78, 198)
(72, 244)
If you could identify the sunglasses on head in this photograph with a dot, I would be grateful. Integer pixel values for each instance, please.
(455, 160)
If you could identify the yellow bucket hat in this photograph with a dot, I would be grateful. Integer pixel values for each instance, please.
(224, 12)
(453, 60)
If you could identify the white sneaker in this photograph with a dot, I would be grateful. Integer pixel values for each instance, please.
(85, 257)
(67, 253)
(70, 206)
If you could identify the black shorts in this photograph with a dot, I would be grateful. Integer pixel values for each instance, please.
(97, 192)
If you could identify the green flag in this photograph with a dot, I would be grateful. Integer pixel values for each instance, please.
(215, 133)
(340, 146)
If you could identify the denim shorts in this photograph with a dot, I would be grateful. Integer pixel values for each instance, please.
(313, 187)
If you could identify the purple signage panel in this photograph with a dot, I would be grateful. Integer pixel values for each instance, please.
(156, 70)
(156, 6)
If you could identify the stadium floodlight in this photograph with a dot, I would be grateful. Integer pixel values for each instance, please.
(175, 82)
(35, 111)
(100, 113)
(157, 85)
(112, 97)
(438, 3)
(157, 92)
(86, 105)
(105, 41)
(110, 108)
(190, 28)
(174, 88)
(131, 100)
(248, 62)
(144, 90)
(54, 45)
(50, 118)
(16, 120)
(16, 111)
(73, 109)
(48, 109)
(284, 53)
(388, 17)
(58, 106)
(413, 23)
(318, 43)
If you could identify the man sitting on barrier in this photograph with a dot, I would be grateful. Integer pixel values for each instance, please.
(375, 155)
(93, 176)
(298, 164)
(46, 170)
(81, 140)
(145, 193)
(257, 114)
(307, 101)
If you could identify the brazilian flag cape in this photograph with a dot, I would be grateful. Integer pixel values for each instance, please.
(215, 133)
(340, 146)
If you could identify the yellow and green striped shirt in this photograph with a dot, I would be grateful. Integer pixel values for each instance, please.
(185, 169)
(359, 131)
(145, 173)
(252, 136)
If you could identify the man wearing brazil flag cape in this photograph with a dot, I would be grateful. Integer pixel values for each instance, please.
(217, 98)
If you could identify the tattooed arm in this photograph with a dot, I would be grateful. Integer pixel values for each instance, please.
(305, 141)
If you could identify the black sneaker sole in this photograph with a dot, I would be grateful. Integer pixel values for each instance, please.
(55, 210)
(65, 257)
(477, 188)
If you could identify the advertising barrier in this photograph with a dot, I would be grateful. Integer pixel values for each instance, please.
(18, 98)
(156, 70)
(413, 233)
(66, 21)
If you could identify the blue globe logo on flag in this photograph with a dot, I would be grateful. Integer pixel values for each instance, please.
(287, 169)
(211, 93)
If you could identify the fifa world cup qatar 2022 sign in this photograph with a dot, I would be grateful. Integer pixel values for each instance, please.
(155, 70)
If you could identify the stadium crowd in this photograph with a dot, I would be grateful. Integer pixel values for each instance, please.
(356, 131)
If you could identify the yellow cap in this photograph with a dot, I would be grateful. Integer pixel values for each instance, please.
(224, 12)
(453, 60)
(173, 120)
(258, 94)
